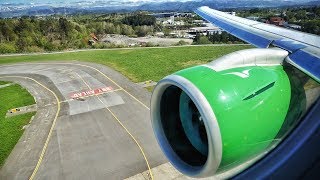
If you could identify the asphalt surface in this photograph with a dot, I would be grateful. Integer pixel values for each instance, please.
(86, 124)
(87, 139)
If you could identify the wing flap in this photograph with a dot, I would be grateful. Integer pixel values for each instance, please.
(306, 62)
(309, 39)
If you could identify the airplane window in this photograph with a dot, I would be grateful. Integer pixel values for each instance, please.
(76, 78)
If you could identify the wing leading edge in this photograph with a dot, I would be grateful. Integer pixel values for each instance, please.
(304, 48)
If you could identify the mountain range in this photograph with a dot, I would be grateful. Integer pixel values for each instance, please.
(44, 9)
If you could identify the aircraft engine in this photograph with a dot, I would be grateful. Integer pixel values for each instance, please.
(211, 117)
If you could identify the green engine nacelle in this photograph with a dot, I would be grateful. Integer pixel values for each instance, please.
(211, 117)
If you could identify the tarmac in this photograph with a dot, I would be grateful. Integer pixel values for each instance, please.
(91, 123)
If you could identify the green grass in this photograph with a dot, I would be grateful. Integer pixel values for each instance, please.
(11, 128)
(139, 64)
(3, 82)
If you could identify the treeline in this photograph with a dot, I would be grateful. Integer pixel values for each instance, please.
(139, 20)
(307, 17)
(217, 38)
(36, 35)
(312, 26)
(32, 34)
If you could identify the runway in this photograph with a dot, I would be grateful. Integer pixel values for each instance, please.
(91, 123)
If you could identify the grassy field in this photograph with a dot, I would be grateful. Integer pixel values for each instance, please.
(11, 128)
(3, 82)
(139, 64)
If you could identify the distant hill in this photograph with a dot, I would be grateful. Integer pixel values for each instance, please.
(313, 3)
(12, 10)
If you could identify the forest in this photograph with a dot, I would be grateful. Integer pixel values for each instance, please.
(64, 32)
(307, 17)
(54, 33)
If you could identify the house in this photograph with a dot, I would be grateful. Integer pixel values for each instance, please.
(278, 21)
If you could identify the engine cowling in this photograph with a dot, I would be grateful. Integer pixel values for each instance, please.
(208, 118)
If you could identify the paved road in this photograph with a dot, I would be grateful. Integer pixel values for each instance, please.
(87, 139)
(117, 49)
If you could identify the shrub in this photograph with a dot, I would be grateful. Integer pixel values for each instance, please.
(181, 43)
(99, 46)
(7, 48)
(201, 40)
(34, 49)
(113, 45)
(149, 44)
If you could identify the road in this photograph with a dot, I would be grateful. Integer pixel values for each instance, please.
(117, 49)
(91, 123)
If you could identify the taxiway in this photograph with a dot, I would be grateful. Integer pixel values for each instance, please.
(91, 123)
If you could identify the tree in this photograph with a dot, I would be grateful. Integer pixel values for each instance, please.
(47, 26)
(97, 27)
(2, 38)
(316, 11)
(23, 42)
(290, 16)
(142, 31)
(6, 29)
(109, 28)
(65, 28)
(312, 26)
(224, 37)
(117, 29)
(215, 37)
(166, 31)
(301, 14)
(254, 10)
(139, 20)
(126, 30)
(201, 40)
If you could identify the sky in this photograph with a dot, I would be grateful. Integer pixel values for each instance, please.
(20, 4)
(58, 2)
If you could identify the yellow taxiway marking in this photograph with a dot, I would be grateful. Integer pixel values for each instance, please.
(122, 125)
(52, 126)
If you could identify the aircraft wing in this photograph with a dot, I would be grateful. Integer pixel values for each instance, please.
(304, 48)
